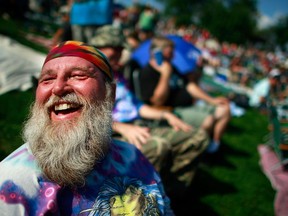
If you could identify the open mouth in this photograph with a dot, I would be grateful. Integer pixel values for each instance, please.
(65, 108)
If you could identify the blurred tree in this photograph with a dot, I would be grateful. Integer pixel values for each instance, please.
(14, 9)
(229, 20)
(276, 35)
(184, 11)
(281, 31)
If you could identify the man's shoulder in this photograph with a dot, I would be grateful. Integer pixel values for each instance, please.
(19, 154)
(149, 72)
(148, 67)
(20, 165)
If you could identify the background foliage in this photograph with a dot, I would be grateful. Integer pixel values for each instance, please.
(229, 20)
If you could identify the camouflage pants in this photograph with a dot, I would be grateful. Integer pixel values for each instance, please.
(175, 155)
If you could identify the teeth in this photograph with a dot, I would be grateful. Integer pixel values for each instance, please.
(63, 107)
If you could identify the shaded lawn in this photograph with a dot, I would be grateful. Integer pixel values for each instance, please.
(229, 183)
(13, 110)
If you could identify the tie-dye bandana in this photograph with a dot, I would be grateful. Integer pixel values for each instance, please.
(82, 50)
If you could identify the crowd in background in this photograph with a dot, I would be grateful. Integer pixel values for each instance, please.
(229, 63)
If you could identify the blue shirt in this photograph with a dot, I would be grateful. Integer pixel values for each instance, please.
(126, 107)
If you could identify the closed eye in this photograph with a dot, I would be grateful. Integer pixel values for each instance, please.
(79, 77)
(46, 80)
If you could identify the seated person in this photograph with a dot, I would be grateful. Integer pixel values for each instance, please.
(173, 150)
(257, 96)
(162, 85)
(70, 165)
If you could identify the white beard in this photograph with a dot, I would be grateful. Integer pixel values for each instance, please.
(67, 151)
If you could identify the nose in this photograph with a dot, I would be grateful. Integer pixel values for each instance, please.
(61, 87)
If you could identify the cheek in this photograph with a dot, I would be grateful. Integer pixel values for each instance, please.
(42, 95)
(95, 93)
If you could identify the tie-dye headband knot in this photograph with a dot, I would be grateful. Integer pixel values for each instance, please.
(82, 50)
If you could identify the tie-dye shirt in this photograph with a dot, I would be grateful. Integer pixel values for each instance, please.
(124, 183)
(126, 106)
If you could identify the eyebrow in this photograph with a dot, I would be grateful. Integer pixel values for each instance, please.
(44, 73)
(81, 68)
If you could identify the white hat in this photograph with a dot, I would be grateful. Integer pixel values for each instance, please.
(274, 72)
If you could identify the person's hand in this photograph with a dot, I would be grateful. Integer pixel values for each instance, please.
(164, 69)
(176, 123)
(220, 101)
(135, 134)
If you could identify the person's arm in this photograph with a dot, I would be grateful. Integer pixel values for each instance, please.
(150, 112)
(162, 89)
(57, 36)
(198, 93)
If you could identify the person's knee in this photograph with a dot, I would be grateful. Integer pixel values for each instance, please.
(223, 111)
(208, 123)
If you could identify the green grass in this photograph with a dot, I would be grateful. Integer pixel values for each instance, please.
(230, 183)
(239, 180)
(13, 111)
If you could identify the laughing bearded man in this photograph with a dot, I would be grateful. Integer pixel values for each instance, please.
(69, 164)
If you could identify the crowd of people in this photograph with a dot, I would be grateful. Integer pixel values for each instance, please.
(236, 66)
(93, 145)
